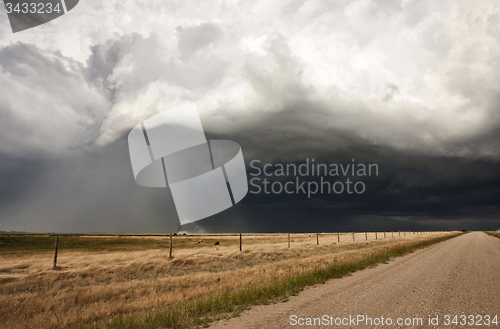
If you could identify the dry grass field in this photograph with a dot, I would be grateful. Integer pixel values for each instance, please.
(494, 233)
(101, 277)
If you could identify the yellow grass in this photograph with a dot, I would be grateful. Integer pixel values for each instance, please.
(95, 286)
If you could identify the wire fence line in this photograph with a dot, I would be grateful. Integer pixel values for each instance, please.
(317, 238)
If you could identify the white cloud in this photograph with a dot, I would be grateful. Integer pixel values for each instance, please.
(243, 60)
(46, 105)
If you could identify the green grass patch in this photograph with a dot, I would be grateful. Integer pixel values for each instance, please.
(201, 313)
(15, 243)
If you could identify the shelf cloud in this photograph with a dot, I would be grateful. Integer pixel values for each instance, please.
(413, 86)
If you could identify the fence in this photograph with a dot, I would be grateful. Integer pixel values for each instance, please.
(320, 238)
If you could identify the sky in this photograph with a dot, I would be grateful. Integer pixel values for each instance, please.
(412, 86)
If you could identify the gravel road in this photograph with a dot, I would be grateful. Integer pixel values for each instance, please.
(460, 276)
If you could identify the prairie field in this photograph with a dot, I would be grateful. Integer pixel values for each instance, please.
(101, 277)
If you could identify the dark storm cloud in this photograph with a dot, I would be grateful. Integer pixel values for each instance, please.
(411, 86)
(91, 191)
(17, 176)
(410, 192)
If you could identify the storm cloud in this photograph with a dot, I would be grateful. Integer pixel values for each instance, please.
(413, 86)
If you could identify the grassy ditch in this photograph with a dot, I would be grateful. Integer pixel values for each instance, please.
(495, 234)
(199, 313)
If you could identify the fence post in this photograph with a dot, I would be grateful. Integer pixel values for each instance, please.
(338, 237)
(170, 247)
(399, 233)
(288, 240)
(384, 235)
(55, 254)
(317, 239)
(240, 241)
(352, 236)
(376, 235)
(392, 234)
(366, 235)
